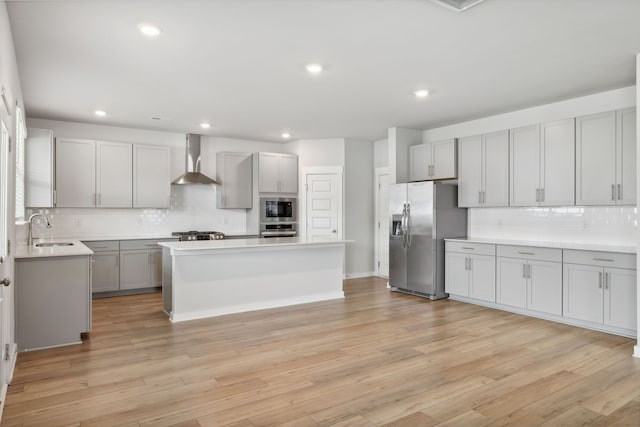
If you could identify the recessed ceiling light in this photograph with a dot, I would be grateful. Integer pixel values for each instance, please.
(314, 68)
(149, 30)
(421, 93)
(205, 125)
(100, 113)
(286, 135)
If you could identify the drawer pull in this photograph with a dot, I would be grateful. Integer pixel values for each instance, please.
(526, 253)
(100, 247)
(151, 245)
(603, 259)
(467, 248)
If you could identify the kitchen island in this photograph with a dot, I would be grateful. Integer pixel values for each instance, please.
(216, 277)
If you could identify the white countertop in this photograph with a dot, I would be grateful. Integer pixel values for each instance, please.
(128, 237)
(543, 244)
(24, 251)
(206, 245)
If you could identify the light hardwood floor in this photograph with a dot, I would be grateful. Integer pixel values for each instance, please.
(374, 358)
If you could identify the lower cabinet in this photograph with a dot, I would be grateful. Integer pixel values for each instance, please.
(106, 271)
(141, 268)
(530, 278)
(470, 271)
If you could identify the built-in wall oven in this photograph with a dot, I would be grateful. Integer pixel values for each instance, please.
(280, 229)
(278, 209)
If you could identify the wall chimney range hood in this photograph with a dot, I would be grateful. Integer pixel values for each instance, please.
(193, 175)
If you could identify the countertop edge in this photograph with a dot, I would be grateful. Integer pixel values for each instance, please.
(594, 247)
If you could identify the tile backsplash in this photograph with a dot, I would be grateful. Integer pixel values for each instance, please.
(193, 207)
(615, 225)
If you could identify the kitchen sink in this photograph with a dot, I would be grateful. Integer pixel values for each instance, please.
(52, 244)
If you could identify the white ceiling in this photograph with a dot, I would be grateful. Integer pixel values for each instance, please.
(239, 64)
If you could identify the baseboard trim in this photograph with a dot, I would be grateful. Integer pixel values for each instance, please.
(359, 275)
(636, 351)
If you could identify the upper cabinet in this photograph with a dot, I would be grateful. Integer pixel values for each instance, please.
(542, 164)
(75, 173)
(277, 173)
(151, 176)
(39, 168)
(433, 160)
(605, 158)
(234, 173)
(483, 170)
(113, 175)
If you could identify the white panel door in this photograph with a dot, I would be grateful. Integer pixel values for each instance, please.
(419, 162)
(596, 159)
(383, 225)
(496, 169)
(444, 159)
(470, 171)
(456, 276)
(558, 163)
(626, 171)
(288, 173)
(524, 153)
(75, 173)
(268, 172)
(114, 175)
(544, 289)
(322, 205)
(583, 292)
(511, 282)
(620, 303)
(7, 293)
(151, 176)
(482, 277)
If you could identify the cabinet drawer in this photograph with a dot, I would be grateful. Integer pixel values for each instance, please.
(471, 248)
(103, 245)
(602, 259)
(528, 252)
(143, 244)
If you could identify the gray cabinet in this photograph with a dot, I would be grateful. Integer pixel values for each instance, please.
(140, 264)
(75, 173)
(277, 173)
(433, 160)
(53, 301)
(106, 271)
(151, 176)
(39, 169)
(234, 173)
(114, 180)
(470, 270)
(605, 158)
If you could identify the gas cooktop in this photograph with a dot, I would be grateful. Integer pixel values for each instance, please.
(198, 235)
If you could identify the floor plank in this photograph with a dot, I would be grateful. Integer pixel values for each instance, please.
(375, 358)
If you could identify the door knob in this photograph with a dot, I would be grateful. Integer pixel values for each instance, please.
(5, 281)
(334, 231)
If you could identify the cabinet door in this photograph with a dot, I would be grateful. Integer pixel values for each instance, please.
(558, 163)
(106, 272)
(39, 168)
(626, 153)
(134, 269)
(151, 176)
(288, 173)
(583, 293)
(114, 175)
(511, 282)
(620, 303)
(544, 288)
(235, 176)
(456, 277)
(444, 159)
(496, 169)
(469, 171)
(524, 153)
(268, 172)
(596, 159)
(155, 266)
(482, 277)
(419, 162)
(75, 173)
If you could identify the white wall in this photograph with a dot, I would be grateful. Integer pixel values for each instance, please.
(359, 207)
(381, 153)
(565, 224)
(399, 141)
(192, 207)
(319, 152)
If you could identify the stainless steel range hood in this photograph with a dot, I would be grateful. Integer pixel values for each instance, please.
(193, 175)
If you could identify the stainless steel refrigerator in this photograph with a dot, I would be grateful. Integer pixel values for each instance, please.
(422, 215)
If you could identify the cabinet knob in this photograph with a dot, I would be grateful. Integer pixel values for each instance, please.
(5, 281)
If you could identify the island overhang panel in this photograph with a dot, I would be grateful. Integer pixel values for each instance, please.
(207, 279)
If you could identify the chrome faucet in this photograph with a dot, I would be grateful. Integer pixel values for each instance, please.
(30, 236)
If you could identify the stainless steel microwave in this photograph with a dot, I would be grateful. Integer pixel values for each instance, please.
(278, 209)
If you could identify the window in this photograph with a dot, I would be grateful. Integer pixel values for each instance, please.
(4, 188)
(21, 135)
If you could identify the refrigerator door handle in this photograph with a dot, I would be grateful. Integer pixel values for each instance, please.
(403, 226)
(408, 225)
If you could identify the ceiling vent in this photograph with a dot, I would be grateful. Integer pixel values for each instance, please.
(457, 5)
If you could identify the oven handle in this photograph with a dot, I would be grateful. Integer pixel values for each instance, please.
(279, 233)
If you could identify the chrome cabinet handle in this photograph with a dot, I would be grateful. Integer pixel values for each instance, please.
(603, 259)
(613, 192)
(466, 263)
(468, 248)
(5, 282)
(529, 271)
(537, 194)
(606, 280)
(470, 264)
(600, 280)
(619, 192)
(542, 194)
(524, 270)
(480, 197)
(526, 253)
